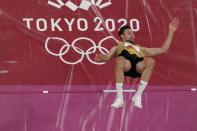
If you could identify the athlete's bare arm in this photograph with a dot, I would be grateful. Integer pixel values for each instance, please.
(106, 57)
(167, 43)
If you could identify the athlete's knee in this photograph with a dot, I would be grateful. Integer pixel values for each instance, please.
(140, 67)
(120, 61)
(150, 62)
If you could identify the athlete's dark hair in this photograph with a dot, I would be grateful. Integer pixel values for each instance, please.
(122, 29)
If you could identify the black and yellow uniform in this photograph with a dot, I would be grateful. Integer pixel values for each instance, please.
(131, 53)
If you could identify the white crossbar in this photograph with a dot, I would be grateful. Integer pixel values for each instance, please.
(111, 91)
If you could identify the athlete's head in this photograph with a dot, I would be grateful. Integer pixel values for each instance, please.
(126, 34)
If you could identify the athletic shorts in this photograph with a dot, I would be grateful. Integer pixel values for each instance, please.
(134, 59)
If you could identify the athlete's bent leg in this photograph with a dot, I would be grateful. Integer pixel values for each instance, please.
(145, 68)
(119, 77)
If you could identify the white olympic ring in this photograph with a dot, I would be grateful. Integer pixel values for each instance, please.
(65, 48)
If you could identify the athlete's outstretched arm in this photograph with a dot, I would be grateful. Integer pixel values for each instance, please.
(167, 43)
(106, 57)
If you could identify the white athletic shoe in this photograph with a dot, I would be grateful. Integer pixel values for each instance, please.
(117, 103)
(137, 101)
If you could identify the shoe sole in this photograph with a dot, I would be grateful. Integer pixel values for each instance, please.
(133, 101)
(117, 106)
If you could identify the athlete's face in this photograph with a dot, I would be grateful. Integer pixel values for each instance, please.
(128, 35)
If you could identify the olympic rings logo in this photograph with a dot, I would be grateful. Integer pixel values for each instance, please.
(66, 47)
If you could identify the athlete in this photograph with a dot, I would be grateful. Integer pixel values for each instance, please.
(135, 61)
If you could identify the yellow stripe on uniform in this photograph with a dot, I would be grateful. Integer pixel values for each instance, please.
(131, 49)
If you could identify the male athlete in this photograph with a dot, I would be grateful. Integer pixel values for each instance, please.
(135, 61)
